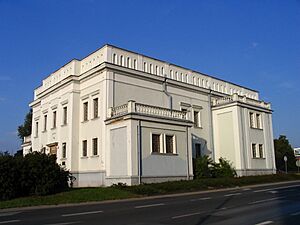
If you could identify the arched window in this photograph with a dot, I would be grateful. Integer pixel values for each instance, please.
(171, 74)
(128, 62)
(203, 83)
(121, 60)
(151, 68)
(134, 64)
(194, 81)
(163, 71)
(115, 59)
(182, 78)
(145, 67)
(157, 70)
(176, 75)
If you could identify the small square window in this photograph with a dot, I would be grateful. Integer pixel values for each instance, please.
(169, 144)
(156, 143)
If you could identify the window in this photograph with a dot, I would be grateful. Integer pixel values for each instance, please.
(198, 150)
(64, 150)
(95, 101)
(121, 60)
(163, 71)
(156, 143)
(36, 129)
(171, 74)
(85, 111)
(169, 144)
(65, 115)
(258, 123)
(128, 63)
(261, 152)
(197, 119)
(95, 146)
(252, 120)
(134, 64)
(157, 70)
(54, 120)
(45, 122)
(145, 67)
(151, 68)
(254, 151)
(84, 148)
(115, 59)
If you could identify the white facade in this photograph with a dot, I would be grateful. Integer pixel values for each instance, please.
(119, 116)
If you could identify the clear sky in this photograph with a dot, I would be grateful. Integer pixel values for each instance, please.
(253, 43)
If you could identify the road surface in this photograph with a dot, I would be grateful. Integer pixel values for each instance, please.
(269, 204)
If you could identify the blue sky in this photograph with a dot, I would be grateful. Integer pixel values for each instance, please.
(252, 43)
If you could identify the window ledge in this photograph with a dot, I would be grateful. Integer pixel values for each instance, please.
(64, 125)
(258, 158)
(94, 156)
(53, 128)
(167, 154)
(44, 131)
(84, 121)
(95, 118)
(63, 159)
(254, 128)
(84, 157)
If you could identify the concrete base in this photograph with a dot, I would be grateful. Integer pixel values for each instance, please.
(88, 178)
(254, 172)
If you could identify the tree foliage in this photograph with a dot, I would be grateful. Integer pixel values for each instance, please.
(283, 148)
(34, 174)
(25, 129)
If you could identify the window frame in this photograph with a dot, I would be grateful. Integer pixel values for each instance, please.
(174, 150)
(54, 119)
(95, 107)
(64, 150)
(65, 115)
(95, 144)
(160, 150)
(84, 148)
(254, 156)
(85, 111)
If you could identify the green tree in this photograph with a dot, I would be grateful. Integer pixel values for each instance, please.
(283, 148)
(25, 129)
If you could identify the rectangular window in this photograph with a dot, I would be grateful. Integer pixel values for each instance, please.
(197, 119)
(156, 143)
(54, 119)
(65, 115)
(36, 129)
(84, 148)
(198, 150)
(95, 146)
(169, 144)
(258, 122)
(254, 151)
(252, 120)
(95, 101)
(261, 152)
(45, 122)
(64, 150)
(85, 111)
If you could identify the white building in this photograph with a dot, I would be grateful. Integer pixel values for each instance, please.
(119, 116)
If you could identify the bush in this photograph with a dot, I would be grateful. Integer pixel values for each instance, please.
(34, 174)
(223, 169)
(204, 167)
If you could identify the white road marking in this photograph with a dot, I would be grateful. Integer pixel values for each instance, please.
(264, 223)
(186, 215)
(228, 195)
(273, 192)
(9, 213)
(66, 223)
(10, 221)
(295, 214)
(271, 189)
(200, 199)
(147, 206)
(265, 200)
(82, 213)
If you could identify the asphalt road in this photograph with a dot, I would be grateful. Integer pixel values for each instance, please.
(269, 204)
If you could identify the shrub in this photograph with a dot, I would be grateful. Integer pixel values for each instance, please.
(204, 167)
(223, 169)
(34, 174)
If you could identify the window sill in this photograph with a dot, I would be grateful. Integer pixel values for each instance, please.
(84, 121)
(258, 158)
(53, 128)
(63, 159)
(44, 131)
(254, 128)
(64, 125)
(94, 156)
(167, 154)
(84, 157)
(95, 118)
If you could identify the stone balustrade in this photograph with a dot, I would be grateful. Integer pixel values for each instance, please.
(244, 99)
(133, 107)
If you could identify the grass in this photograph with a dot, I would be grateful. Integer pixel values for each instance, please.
(79, 195)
